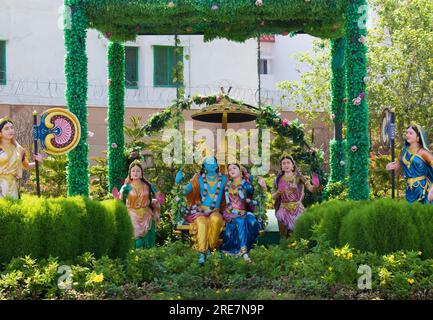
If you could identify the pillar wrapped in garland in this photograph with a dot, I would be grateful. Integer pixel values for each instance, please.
(358, 143)
(75, 33)
(338, 110)
(116, 110)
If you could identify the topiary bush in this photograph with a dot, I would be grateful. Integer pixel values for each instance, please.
(323, 218)
(380, 226)
(63, 227)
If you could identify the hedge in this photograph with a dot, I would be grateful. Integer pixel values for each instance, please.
(380, 226)
(63, 228)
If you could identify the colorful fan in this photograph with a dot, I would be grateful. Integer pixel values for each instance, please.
(59, 131)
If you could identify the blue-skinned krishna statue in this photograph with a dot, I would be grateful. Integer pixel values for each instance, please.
(205, 194)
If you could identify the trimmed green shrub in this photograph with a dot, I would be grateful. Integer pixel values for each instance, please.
(325, 219)
(63, 227)
(380, 226)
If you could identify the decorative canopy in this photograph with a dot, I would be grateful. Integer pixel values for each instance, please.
(237, 20)
(235, 112)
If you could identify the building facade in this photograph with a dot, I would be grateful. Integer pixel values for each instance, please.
(32, 77)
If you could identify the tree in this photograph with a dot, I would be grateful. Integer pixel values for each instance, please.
(311, 93)
(401, 62)
(400, 47)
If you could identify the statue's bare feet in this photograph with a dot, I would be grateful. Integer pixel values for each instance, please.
(246, 257)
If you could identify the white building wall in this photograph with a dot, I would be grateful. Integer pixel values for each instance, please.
(35, 61)
(282, 64)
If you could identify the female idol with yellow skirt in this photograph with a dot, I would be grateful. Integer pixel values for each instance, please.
(12, 160)
(138, 194)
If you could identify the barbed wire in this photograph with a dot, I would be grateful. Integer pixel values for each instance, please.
(52, 92)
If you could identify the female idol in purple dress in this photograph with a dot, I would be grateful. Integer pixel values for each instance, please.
(288, 195)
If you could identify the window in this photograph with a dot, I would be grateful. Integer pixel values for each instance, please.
(131, 67)
(2, 62)
(264, 66)
(165, 61)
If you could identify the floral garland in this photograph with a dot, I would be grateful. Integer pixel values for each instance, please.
(206, 190)
(241, 194)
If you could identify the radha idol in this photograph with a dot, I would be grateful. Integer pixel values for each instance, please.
(242, 227)
(205, 196)
(417, 163)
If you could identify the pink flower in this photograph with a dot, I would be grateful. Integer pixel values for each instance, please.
(218, 98)
(366, 80)
(109, 82)
(362, 40)
(259, 3)
(315, 179)
(357, 101)
(133, 154)
(114, 145)
(160, 198)
(362, 95)
(285, 123)
(354, 148)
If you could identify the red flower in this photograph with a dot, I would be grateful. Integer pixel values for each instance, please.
(354, 148)
(362, 95)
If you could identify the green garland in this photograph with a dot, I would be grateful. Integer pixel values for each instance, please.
(337, 161)
(338, 107)
(268, 118)
(76, 95)
(116, 110)
(357, 111)
(122, 20)
(161, 120)
(236, 20)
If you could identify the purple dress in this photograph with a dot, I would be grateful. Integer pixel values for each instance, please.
(288, 207)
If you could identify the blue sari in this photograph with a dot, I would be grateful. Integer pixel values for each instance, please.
(419, 175)
(242, 227)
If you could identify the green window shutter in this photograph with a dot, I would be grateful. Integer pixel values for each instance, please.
(160, 74)
(2, 62)
(165, 60)
(131, 67)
